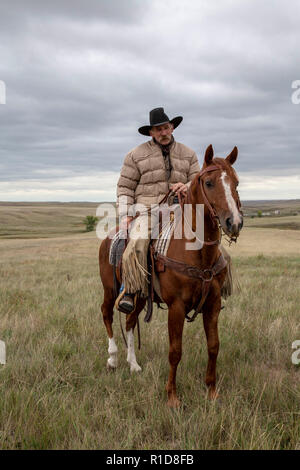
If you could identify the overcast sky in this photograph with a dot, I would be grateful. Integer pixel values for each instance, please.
(82, 75)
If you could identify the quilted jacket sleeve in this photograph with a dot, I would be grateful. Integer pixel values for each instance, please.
(127, 183)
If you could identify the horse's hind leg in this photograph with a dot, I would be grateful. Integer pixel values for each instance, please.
(107, 312)
(210, 321)
(131, 321)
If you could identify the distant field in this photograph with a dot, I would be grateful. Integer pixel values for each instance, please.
(47, 220)
(55, 392)
(284, 207)
(290, 222)
(39, 220)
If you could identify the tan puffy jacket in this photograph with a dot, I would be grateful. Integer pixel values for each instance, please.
(143, 176)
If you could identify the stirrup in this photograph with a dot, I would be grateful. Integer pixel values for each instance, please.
(127, 309)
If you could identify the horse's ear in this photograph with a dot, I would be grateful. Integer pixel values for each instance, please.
(209, 153)
(232, 156)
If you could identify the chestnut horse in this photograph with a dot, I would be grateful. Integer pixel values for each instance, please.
(216, 188)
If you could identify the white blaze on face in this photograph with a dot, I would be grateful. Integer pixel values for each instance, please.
(230, 201)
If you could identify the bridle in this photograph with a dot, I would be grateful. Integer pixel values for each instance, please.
(208, 169)
(213, 214)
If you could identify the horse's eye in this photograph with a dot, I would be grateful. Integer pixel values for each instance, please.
(208, 184)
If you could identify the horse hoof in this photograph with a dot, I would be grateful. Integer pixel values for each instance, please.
(213, 395)
(173, 402)
(111, 365)
(135, 368)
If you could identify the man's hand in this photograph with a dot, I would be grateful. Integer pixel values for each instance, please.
(179, 188)
(125, 222)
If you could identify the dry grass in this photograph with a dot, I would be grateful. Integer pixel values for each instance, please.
(269, 242)
(56, 392)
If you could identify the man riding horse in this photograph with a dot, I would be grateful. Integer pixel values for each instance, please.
(185, 278)
(148, 173)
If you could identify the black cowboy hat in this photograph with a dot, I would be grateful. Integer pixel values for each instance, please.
(157, 117)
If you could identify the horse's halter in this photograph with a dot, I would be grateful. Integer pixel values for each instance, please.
(212, 211)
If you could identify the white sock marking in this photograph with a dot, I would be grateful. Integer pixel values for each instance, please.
(131, 359)
(2, 353)
(113, 352)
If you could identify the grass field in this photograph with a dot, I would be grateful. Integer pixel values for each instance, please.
(55, 392)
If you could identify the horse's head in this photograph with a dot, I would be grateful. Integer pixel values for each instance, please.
(218, 183)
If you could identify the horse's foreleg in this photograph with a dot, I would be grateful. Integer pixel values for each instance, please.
(107, 312)
(131, 358)
(210, 321)
(175, 326)
(112, 361)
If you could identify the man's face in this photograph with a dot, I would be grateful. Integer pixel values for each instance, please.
(162, 134)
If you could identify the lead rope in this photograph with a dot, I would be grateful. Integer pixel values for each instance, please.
(121, 326)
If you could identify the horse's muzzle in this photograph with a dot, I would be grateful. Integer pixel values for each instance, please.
(234, 226)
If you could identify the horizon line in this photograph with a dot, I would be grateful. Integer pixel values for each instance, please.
(114, 202)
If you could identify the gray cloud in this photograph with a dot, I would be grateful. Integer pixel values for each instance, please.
(81, 78)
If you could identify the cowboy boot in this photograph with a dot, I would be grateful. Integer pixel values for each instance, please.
(126, 304)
